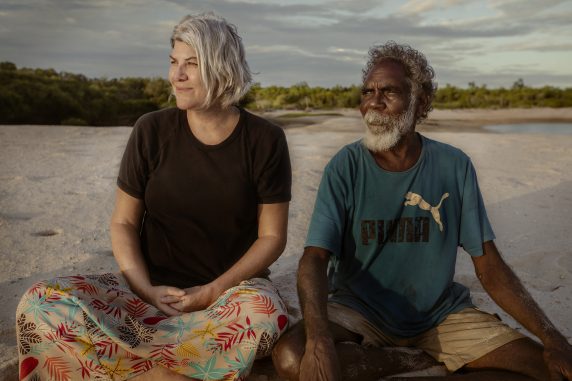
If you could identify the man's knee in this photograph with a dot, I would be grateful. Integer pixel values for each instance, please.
(288, 352)
(523, 356)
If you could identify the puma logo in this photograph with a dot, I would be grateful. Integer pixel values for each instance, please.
(415, 199)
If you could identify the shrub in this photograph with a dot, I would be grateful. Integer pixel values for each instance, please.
(74, 122)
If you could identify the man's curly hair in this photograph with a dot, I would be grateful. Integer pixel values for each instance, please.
(418, 72)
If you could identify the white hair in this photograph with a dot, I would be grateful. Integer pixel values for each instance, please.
(419, 75)
(220, 53)
(383, 132)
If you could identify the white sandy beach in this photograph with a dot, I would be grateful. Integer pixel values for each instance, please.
(57, 194)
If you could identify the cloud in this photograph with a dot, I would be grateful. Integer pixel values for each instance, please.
(321, 43)
(455, 3)
(524, 8)
(536, 47)
(419, 6)
(334, 49)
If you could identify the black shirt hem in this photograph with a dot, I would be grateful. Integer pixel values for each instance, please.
(275, 199)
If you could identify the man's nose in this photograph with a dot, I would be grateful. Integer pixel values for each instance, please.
(376, 101)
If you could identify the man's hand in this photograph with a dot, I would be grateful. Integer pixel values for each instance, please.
(196, 298)
(320, 361)
(508, 292)
(558, 359)
(155, 295)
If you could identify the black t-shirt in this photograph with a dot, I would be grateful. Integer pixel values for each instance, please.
(201, 200)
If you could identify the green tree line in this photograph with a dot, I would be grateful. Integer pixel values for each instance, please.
(519, 95)
(36, 96)
(29, 96)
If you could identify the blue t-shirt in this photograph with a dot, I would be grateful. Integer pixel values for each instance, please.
(394, 235)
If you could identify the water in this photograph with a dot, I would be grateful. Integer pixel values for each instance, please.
(533, 128)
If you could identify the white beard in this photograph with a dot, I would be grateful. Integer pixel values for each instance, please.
(383, 132)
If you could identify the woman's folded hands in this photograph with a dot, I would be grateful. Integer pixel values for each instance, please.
(156, 294)
(193, 299)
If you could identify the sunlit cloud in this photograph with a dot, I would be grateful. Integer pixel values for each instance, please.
(419, 6)
(334, 49)
(322, 42)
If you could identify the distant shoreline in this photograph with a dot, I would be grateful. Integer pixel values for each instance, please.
(458, 120)
(455, 120)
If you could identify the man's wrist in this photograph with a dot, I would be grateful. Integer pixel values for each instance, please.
(319, 340)
(554, 339)
(318, 333)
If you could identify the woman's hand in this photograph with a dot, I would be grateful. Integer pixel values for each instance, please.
(155, 295)
(196, 298)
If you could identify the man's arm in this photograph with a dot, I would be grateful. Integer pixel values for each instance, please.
(504, 287)
(320, 361)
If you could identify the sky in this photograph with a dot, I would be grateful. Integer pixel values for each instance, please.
(321, 42)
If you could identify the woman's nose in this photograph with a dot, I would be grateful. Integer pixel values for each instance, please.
(181, 73)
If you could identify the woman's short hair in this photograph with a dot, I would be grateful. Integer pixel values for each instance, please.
(220, 53)
(418, 73)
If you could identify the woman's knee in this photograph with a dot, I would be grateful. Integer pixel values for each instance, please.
(45, 287)
(41, 286)
(288, 352)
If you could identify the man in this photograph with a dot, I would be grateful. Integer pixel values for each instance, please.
(389, 215)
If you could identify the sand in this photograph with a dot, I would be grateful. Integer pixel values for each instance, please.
(57, 193)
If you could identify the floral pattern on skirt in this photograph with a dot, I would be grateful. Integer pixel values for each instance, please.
(94, 327)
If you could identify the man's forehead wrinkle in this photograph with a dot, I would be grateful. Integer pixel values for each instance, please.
(382, 84)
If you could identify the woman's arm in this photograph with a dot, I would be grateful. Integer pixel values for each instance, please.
(125, 240)
(272, 236)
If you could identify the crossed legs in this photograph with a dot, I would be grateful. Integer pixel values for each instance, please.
(160, 373)
(520, 359)
(356, 362)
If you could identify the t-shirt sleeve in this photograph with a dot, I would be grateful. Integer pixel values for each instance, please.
(328, 219)
(134, 168)
(275, 180)
(475, 227)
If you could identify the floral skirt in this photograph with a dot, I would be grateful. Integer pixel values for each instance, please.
(94, 327)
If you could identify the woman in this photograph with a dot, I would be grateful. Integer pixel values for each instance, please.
(201, 212)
